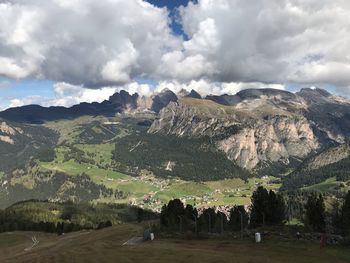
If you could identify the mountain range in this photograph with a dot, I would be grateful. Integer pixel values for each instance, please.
(254, 132)
(255, 128)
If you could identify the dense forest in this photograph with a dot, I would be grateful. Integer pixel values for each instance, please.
(56, 186)
(301, 178)
(27, 143)
(66, 217)
(188, 159)
(96, 132)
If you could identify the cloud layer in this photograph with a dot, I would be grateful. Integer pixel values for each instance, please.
(271, 41)
(95, 43)
(231, 43)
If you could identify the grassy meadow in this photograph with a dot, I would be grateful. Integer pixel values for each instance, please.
(161, 190)
(106, 245)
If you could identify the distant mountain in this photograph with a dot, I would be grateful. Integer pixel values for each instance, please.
(300, 137)
(194, 94)
(264, 130)
(261, 128)
(117, 103)
(250, 94)
(162, 99)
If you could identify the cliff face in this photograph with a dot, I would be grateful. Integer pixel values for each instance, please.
(7, 132)
(259, 128)
(181, 119)
(245, 140)
(275, 140)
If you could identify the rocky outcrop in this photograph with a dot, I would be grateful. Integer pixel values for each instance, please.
(123, 100)
(7, 132)
(252, 133)
(181, 119)
(271, 141)
(329, 113)
(7, 129)
(6, 139)
(194, 94)
(162, 99)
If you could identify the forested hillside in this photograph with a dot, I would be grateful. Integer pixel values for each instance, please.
(20, 142)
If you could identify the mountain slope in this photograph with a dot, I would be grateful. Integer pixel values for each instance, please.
(20, 142)
(333, 162)
(251, 138)
(261, 130)
(330, 114)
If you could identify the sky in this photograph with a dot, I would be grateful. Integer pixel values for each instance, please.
(62, 52)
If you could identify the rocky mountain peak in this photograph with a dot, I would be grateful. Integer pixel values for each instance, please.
(194, 94)
(257, 93)
(182, 93)
(314, 91)
(162, 99)
(123, 98)
(252, 94)
(315, 96)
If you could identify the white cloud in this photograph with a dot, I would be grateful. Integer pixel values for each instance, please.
(205, 87)
(175, 65)
(119, 69)
(68, 95)
(276, 41)
(95, 43)
(25, 101)
(11, 69)
(134, 87)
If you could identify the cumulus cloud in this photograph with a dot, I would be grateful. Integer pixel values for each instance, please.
(206, 87)
(95, 43)
(276, 41)
(230, 44)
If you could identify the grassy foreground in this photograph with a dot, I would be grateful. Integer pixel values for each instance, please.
(106, 246)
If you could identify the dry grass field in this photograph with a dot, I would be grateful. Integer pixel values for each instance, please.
(106, 246)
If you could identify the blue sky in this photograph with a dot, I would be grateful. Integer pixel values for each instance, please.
(172, 5)
(18, 89)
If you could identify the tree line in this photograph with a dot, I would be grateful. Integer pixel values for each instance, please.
(267, 209)
(66, 217)
(300, 178)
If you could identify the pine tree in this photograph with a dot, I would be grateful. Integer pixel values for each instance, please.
(315, 213)
(267, 208)
(238, 214)
(207, 220)
(173, 214)
(259, 207)
(345, 215)
(276, 209)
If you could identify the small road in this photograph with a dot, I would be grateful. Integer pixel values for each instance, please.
(35, 243)
(133, 241)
